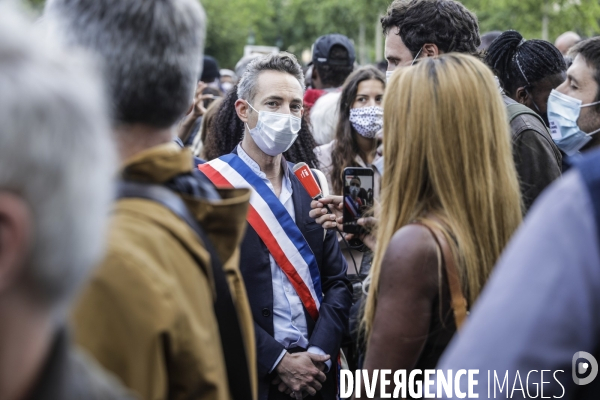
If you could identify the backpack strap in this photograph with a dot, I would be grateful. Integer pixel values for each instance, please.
(516, 109)
(232, 342)
(445, 258)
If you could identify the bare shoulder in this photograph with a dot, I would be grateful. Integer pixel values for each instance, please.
(411, 256)
(411, 242)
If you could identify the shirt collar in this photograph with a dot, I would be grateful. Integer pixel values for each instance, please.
(256, 168)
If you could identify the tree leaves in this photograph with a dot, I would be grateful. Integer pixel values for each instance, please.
(525, 16)
(297, 23)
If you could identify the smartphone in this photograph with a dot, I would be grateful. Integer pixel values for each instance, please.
(358, 196)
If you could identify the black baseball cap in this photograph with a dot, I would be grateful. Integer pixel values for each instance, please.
(210, 70)
(322, 50)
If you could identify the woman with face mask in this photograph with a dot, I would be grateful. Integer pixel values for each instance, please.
(360, 120)
(355, 145)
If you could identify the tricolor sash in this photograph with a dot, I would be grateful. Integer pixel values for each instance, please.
(274, 225)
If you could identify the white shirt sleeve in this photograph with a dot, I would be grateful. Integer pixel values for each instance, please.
(319, 351)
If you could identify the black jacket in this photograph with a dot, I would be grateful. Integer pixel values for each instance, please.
(327, 332)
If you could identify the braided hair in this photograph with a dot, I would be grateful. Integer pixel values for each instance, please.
(521, 63)
(228, 131)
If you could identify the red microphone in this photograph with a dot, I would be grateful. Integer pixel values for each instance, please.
(308, 181)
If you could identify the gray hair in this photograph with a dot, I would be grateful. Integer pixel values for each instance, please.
(241, 65)
(56, 153)
(282, 62)
(151, 51)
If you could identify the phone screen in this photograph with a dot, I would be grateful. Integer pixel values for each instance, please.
(358, 196)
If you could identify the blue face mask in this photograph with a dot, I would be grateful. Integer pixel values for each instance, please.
(563, 113)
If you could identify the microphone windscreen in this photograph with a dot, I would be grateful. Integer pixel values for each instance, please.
(306, 178)
(298, 166)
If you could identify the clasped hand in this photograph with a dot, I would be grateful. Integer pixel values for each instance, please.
(300, 374)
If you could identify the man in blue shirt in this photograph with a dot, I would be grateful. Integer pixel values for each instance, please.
(294, 272)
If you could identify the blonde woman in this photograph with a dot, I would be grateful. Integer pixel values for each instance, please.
(451, 200)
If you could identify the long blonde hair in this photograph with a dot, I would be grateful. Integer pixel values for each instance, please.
(447, 153)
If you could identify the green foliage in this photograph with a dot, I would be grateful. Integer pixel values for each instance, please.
(37, 4)
(300, 22)
(525, 16)
(297, 23)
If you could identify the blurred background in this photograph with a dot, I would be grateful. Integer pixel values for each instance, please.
(293, 25)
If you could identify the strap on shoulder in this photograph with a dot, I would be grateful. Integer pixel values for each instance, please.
(232, 342)
(458, 300)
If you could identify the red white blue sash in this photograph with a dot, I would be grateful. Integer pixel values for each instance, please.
(274, 225)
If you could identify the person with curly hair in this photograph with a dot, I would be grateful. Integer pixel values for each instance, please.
(427, 28)
(227, 131)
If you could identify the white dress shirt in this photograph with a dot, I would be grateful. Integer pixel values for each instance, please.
(289, 322)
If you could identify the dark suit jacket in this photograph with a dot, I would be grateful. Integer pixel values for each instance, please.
(327, 332)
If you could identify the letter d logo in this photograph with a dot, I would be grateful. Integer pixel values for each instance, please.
(583, 367)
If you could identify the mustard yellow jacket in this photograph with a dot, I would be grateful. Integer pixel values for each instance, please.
(147, 313)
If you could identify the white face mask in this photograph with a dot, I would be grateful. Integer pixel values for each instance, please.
(367, 121)
(274, 133)
(388, 74)
(227, 86)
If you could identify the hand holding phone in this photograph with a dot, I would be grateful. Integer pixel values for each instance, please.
(358, 197)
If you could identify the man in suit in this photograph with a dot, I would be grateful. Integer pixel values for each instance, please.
(299, 295)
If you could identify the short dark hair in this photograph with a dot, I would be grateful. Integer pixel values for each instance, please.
(335, 75)
(445, 23)
(518, 62)
(589, 49)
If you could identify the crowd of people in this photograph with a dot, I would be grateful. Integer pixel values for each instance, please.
(173, 230)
